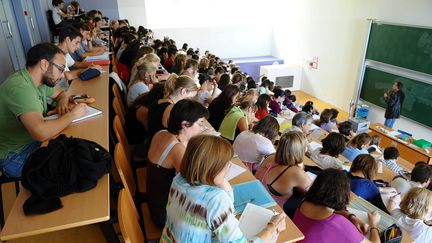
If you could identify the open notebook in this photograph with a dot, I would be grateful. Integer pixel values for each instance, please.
(91, 112)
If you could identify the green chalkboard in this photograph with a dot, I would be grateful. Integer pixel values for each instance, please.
(402, 46)
(418, 95)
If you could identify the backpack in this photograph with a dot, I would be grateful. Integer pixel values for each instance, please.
(65, 166)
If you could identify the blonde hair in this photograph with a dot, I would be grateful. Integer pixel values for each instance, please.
(141, 70)
(249, 94)
(173, 85)
(147, 58)
(291, 148)
(205, 157)
(204, 63)
(417, 203)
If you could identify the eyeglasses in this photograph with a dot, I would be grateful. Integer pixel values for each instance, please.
(60, 68)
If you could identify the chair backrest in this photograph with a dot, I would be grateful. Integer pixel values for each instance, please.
(117, 94)
(128, 220)
(118, 110)
(51, 25)
(121, 136)
(124, 169)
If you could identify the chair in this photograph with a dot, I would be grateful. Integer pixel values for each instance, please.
(3, 180)
(118, 110)
(51, 25)
(151, 231)
(128, 219)
(120, 98)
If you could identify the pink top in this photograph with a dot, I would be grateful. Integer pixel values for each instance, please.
(335, 228)
(261, 175)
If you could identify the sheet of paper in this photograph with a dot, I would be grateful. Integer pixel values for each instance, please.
(311, 175)
(104, 56)
(363, 205)
(315, 117)
(314, 127)
(393, 133)
(280, 120)
(346, 167)
(254, 219)
(90, 113)
(234, 171)
(314, 145)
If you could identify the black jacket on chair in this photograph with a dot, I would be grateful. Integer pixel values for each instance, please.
(394, 104)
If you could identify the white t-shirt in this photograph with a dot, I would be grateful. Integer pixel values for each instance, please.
(416, 229)
(252, 147)
(69, 61)
(55, 14)
(325, 161)
(136, 90)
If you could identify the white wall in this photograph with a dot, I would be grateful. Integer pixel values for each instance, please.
(134, 11)
(226, 42)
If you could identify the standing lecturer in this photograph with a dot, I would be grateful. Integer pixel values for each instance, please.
(394, 100)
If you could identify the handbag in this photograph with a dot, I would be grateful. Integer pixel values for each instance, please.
(89, 74)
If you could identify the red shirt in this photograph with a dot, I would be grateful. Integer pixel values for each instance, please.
(261, 113)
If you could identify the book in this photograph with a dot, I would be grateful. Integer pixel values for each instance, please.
(91, 112)
(251, 192)
(362, 207)
(254, 219)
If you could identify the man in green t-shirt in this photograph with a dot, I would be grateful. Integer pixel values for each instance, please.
(23, 107)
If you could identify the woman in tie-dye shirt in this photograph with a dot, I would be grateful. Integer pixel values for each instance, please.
(200, 204)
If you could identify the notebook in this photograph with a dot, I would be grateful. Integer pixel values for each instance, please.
(254, 219)
(91, 112)
(251, 192)
(359, 204)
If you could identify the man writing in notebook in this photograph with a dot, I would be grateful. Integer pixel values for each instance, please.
(23, 106)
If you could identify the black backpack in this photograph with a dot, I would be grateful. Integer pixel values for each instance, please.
(65, 166)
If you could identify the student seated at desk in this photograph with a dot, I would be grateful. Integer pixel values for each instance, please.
(320, 216)
(237, 120)
(201, 203)
(262, 106)
(361, 176)
(415, 210)
(374, 144)
(253, 146)
(143, 80)
(327, 156)
(421, 176)
(136, 118)
(166, 152)
(345, 128)
(283, 174)
(357, 146)
(290, 103)
(391, 154)
(176, 89)
(59, 17)
(324, 121)
(222, 104)
(275, 103)
(207, 89)
(302, 122)
(86, 48)
(23, 106)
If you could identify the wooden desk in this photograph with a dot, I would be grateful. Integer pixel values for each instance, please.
(409, 152)
(79, 209)
(292, 233)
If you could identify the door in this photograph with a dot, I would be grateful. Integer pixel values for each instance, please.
(12, 38)
(31, 22)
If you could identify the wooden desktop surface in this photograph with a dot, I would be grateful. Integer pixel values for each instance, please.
(409, 152)
(79, 208)
(292, 233)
